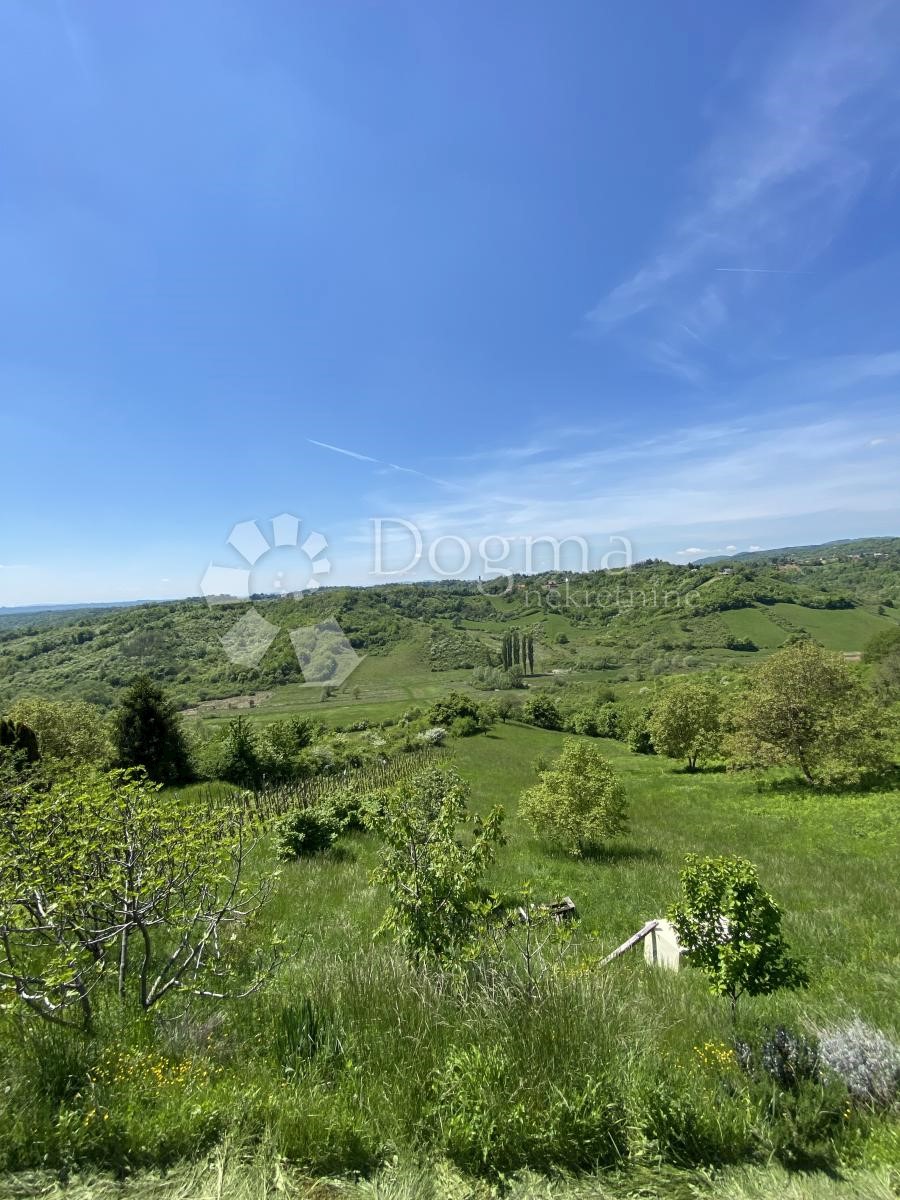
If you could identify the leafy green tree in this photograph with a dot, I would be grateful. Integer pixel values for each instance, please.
(531, 654)
(881, 644)
(542, 710)
(579, 801)
(731, 928)
(433, 874)
(69, 731)
(240, 760)
(107, 881)
(686, 721)
(280, 748)
(806, 708)
(886, 680)
(456, 705)
(147, 733)
(18, 742)
(634, 728)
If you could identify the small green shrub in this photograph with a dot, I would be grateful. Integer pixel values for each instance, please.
(583, 722)
(607, 720)
(542, 711)
(465, 727)
(579, 801)
(304, 832)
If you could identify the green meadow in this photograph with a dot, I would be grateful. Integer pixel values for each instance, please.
(354, 1063)
(525, 1068)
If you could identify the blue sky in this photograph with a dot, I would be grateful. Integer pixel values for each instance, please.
(593, 270)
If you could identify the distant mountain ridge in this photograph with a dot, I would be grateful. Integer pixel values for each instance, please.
(9, 609)
(840, 548)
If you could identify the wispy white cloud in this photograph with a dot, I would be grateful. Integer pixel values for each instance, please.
(773, 186)
(805, 455)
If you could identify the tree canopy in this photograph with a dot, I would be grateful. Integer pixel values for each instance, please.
(685, 722)
(805, 707)
(579, 801)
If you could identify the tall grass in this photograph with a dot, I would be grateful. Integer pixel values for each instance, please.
(353, 1060)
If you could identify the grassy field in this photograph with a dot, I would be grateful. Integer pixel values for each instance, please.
(405, 1068)
(841, 629)
(854, 958)
(754, 623)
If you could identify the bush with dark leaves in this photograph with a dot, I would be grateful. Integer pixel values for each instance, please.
(786, 1057)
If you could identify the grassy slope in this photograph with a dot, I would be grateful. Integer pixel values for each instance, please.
(837, 919)
(847, 629)
(754, 623)
(831, 862)
(853, 951)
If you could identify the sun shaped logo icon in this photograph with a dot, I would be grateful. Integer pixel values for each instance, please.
(323, 650)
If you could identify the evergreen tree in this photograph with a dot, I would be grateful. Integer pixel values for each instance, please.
(531, 654)
(148, 733)
(20, 740)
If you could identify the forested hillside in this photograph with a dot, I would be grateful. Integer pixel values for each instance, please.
(652, 619)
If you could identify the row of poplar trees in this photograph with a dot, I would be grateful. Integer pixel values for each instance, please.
(517, 650)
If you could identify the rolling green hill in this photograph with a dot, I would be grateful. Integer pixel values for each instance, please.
(652, 619)
(828, 552)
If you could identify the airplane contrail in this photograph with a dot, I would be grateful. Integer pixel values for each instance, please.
(341, 450)
(380, 462)
(757, 271)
